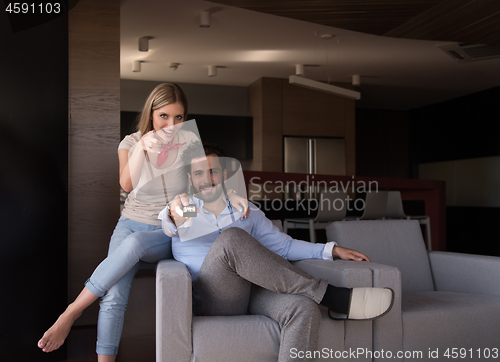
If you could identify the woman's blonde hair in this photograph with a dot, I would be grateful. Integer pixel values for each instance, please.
(163, 94)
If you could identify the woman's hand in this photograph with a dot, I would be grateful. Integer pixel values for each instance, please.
(240, 203)
(150, 142)
(348, 254)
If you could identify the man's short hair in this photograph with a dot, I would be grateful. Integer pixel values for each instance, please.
(199, 150)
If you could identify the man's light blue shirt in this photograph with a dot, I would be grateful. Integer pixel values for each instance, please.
(193, 239)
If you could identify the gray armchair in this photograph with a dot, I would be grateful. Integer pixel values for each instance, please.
(445, 300)
(182, 337)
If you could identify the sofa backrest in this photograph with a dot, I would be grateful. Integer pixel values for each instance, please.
(278, 224)
(397, 243)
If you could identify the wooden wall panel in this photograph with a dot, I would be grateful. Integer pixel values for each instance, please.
(280, 109)
(350, 137)
(307, 112)
(272, 138)
(265, 106)
(94, 131)
(255, 111)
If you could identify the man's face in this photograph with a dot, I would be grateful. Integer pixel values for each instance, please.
(206, 178)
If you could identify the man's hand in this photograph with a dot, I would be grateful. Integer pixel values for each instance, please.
(339, 252)
(176, 205)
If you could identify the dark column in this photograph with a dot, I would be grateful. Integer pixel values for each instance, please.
(34, 178)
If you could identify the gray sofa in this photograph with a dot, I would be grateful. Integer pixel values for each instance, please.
(180, 336)
(443, 300)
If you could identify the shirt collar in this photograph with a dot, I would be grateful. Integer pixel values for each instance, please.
(200, 203)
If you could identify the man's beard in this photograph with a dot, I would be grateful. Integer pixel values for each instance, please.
(210, 196)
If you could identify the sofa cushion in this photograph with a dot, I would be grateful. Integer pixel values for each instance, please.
(398, 243)
(445, 320)
(278, 224)
(227, 338)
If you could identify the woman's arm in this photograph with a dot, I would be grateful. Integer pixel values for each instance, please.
(125, 178)
(130, 167)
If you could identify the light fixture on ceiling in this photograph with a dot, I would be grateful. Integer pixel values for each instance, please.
(323, 87)
(212, 70)
(136, 65)
(205, 19)
(173, 66)
(299, 69)
(356, 79)
(144, 43)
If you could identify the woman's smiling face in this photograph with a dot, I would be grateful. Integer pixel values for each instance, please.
(166, 118)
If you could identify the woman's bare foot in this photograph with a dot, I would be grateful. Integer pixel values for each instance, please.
(55, 336)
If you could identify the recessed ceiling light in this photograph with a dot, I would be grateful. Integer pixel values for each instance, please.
(356, 79)
(144, 43)
(212, 70)
(205, 19)
(136, 66)
(327, 36)
(299, 69)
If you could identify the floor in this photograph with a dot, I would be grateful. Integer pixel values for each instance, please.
(81, 344)
(139, 333)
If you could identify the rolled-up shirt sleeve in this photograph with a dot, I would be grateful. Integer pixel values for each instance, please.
(300, 249)
(328, 251)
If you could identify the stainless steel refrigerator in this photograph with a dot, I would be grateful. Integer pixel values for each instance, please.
(323, 156)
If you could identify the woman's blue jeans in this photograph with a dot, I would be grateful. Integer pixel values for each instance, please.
(130, 243)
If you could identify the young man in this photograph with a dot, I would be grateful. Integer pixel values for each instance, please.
(240, 265)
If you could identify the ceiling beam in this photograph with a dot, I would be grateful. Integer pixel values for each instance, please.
(366, 16)
(470, 21)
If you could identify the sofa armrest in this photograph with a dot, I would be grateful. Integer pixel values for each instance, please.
(351, 274)
(387, 331)
(341, 274)
(173, 312)
(465, 273)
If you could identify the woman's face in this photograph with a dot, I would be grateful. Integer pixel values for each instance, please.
(166, 118)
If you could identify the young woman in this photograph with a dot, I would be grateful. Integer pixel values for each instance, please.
(151, 170)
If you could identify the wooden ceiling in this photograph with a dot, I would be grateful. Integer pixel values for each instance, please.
(469, 21)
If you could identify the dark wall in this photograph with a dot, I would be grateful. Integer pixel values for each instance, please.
(465, 127)
(233, 133)
(33, 182)
(473, 230)
(392, 143)
(382, 144)
(128, 122)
